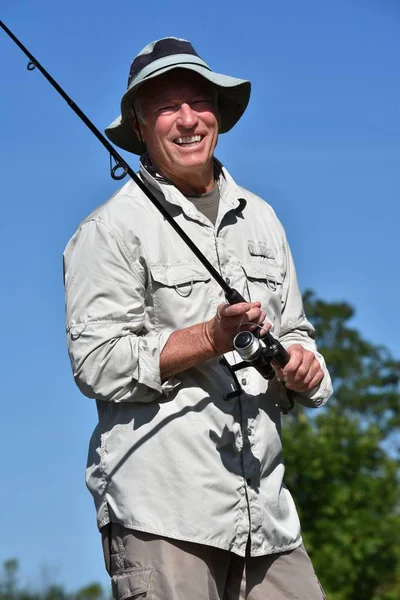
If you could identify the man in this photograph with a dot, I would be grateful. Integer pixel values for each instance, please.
(186, 476)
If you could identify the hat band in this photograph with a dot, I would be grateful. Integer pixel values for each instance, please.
(161, 63)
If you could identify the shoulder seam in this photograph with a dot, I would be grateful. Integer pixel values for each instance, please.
(120, 241)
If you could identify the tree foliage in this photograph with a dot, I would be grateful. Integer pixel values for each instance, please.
(11, 588)
(342, 463)
(342, 466)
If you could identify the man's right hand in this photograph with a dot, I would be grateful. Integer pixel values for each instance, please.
(189, 347)
(229, 320)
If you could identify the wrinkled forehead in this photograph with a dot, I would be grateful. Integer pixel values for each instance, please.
(175, 82)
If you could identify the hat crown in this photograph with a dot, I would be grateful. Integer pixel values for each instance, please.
(159, 49)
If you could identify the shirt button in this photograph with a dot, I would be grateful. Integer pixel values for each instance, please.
(228, 280)
(249, 431)
(244, 381)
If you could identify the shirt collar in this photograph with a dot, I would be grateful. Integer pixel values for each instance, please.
(229, 191)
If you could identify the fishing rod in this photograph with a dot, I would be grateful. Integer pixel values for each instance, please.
(254, 351)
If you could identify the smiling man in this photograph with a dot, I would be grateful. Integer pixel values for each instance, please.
(179, 123)
(187, 477)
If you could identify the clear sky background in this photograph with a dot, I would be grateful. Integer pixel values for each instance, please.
(320, 141)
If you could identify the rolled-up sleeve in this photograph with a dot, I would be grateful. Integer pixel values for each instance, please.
(112, 356)
(296, 329)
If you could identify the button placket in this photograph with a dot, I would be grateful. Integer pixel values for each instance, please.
(246, 441)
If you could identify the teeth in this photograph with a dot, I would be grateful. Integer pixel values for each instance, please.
(188, 140)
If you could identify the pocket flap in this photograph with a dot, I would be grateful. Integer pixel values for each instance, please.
(261, 271)
(178, 274)
(260, 249)
(131, 583)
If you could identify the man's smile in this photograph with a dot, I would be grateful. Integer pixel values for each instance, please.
(189, 141)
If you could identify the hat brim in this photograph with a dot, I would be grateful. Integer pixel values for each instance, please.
(233, 98)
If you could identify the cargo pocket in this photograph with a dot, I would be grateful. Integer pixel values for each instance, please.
(106, 544)
(181, 295)
(264, 284)
(132, 583)
(265, 275)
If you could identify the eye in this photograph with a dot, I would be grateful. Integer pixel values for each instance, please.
(202, 102)
(166, 108)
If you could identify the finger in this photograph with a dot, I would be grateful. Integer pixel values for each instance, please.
(232, 310)
(261, 325)
(290, 369)
(314, 369)
(228, 310)
(221, 310)
(304, 368)
(266, 326)
(251, 319)
(316, 380)
(300, 388)
(262, 317)
(306, 387)
(254, 315)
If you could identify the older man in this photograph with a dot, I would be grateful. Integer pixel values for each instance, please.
(187, 477)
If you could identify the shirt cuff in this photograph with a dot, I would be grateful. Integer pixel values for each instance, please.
(318, 395)
(147, 372)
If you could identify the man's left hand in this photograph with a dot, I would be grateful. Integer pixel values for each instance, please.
(303, 371)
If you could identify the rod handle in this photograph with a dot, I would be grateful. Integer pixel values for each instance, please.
(281, 355)
(233, 297)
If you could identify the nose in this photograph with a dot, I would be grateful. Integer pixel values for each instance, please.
(187, 116)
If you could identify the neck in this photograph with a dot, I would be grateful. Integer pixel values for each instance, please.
(191, 183)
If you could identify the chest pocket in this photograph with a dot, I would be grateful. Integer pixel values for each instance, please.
(264, 283)
(181, 295)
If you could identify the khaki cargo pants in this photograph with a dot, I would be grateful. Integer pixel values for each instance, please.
(142, 565)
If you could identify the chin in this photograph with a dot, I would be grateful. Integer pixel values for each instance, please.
(194, 162)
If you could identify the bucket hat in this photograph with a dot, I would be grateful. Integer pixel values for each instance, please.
(164, 55)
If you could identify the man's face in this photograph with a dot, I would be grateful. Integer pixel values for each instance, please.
(180, 125)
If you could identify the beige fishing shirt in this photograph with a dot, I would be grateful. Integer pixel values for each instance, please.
(177, 459)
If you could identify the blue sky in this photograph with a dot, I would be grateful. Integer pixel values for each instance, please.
(320, 141)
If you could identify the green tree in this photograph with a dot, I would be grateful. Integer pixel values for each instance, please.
(91, 592)
(11, 588)
(342, 463)
(342, 466)
(8, 581)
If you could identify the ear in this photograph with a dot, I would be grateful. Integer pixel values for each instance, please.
(134, 124)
